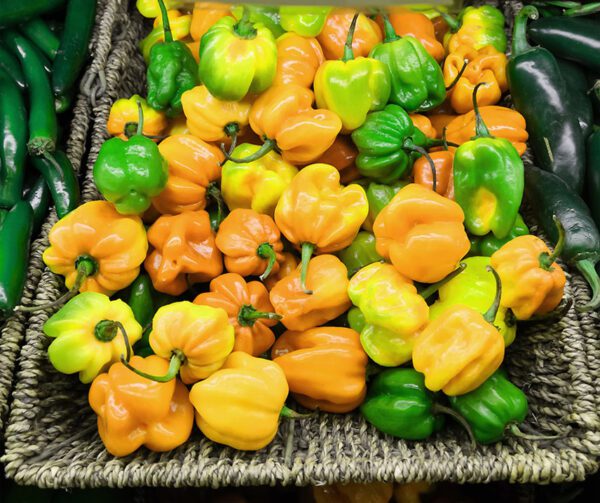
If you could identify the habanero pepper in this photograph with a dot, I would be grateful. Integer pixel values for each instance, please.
(443, 161)
(298, 59)
(124, 116)
(180, 29)
(206, 14)
(379, 196)
(424, 124)
(476, 27)
(306, 21)
(360, 253)
(288, 266)
(489, 244)
(334, 34)
(342, 156)
(151, 8)
(267, 15)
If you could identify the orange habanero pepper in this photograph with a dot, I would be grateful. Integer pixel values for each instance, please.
(124, 116)
(298, 59)
(194, 168)
(205, 15)
(288, 266)
(424, 123)
(422, 233)
(443, 161)
(342, 155)
(250, 242)
(325, 367)
(184, 252)
(249, 309)
(333, 36)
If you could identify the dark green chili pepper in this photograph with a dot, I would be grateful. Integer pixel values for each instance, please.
(38, 197)
(58, 172)
(41, 35)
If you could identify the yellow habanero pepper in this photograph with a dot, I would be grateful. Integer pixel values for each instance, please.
(123, 118)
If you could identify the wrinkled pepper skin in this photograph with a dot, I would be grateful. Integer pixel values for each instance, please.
(325, 367)
(134, 411)
(201, 337)
(360, 253)
(327, 278)
(250, 243)
(489, 244)
(422, 234)
(394, 313)
(249, 309)
(95, 232)
(399, 404)
(492, 408)
(443, 161)
(288, 266)
(211, 119)
(532, 283)
(193, 166)
(475, 287)
(417, 82)
(246, 391)
(298, 59)
(255, 185)
(184, 252)
(458, 351)
(237, 58)
(333, 36)
(83, 342)
(479, 26)
(306, 21)
(424, 124)
(124, 114)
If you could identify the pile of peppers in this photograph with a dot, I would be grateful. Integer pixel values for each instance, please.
(315, 207)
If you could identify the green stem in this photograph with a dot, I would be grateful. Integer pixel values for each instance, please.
(442, 409)
(214, 193)
(519, 42)
(140, 124)
(490, 314)
(266, 147)
(557, 3)
(165, 20)
(307, 251)
(546, 259)
(244, 28)
(348, 53)
(390, 33)
(460, 74)
(415, 148)
(454, 24)
(588, 270)
(106, 331)
(481, 130)
(266, 251)
(231, 129)
(444, 139)
(292, 414)
(248, 316)
(583, 10)
(177, 359)
(431, 289)
(514, 430)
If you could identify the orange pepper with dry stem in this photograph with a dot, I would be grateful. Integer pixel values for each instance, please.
(205, 15)
(327, 279)
(341, 155)
(443, 161)
(184, 252)
(194, 169)
(298, 59)
(325, 367)
(288, 266)
(249, 309)
(251, 243)
(333, 36)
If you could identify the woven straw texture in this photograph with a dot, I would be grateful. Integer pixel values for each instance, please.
(13, 329)
(51, 438)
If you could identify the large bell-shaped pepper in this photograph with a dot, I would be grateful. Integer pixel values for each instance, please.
(416, 78)
(352, 87)
(237, 58)
(171, 71)
(490, 197)
(304, 20)
(476, 27)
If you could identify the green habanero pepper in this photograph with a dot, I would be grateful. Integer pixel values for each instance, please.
(237, 58)
(399, 404)
(416, 78)
(307, 21)
(476, 27)
(129, 173)
(379, 196)
(171, 71)
(489, 244)
(489, 197)
(360, 253)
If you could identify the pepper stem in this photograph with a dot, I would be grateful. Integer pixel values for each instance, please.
(442, 409)
(307, 251)
(244, 27)
(490, 314)
(454, 24)
(106, 331)
(231, 129)
(177, 359)
(459, 75)
(481, 130)
(519, 42)
(546, 259)
(415, 148)
(265, 251)
(214, 193)
(444, 139)
(583, 10)
(431, 289)
(86, 266)
(588, 270)
(248, 316)
(514, 430)
(166, 23)
(266, 147)
(348, 53)
(292, 414)
(390, 33)
(140, 124)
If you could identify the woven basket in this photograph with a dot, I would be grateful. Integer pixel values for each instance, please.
(51, 438)
(11, 334)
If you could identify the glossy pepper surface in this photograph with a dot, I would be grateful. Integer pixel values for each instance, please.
(424, 124)
(171, 71)
(87, 335)
(475, 287)
(421, 233)
(246, 391)
(288, 266)
(298, 59)
(327, 279)
(489, 244)
(204, 15)
(194, 166)
(443, 161)
(133, 411)
(335, 33)
(124, 115)
(379, 196)
(267, 15)
(249, 309)
(237, 58)
(342, 156)
(360, 253)
(180, 29)
(325, 367)
(352, 87)
(96, 249)
(477, 27)
(184, 252)
(306, 21)
(416, 78)
(394, 313)
(399, 404)
(490, 197)
(151, 8)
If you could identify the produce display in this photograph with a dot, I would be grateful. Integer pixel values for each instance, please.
(325, 205)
